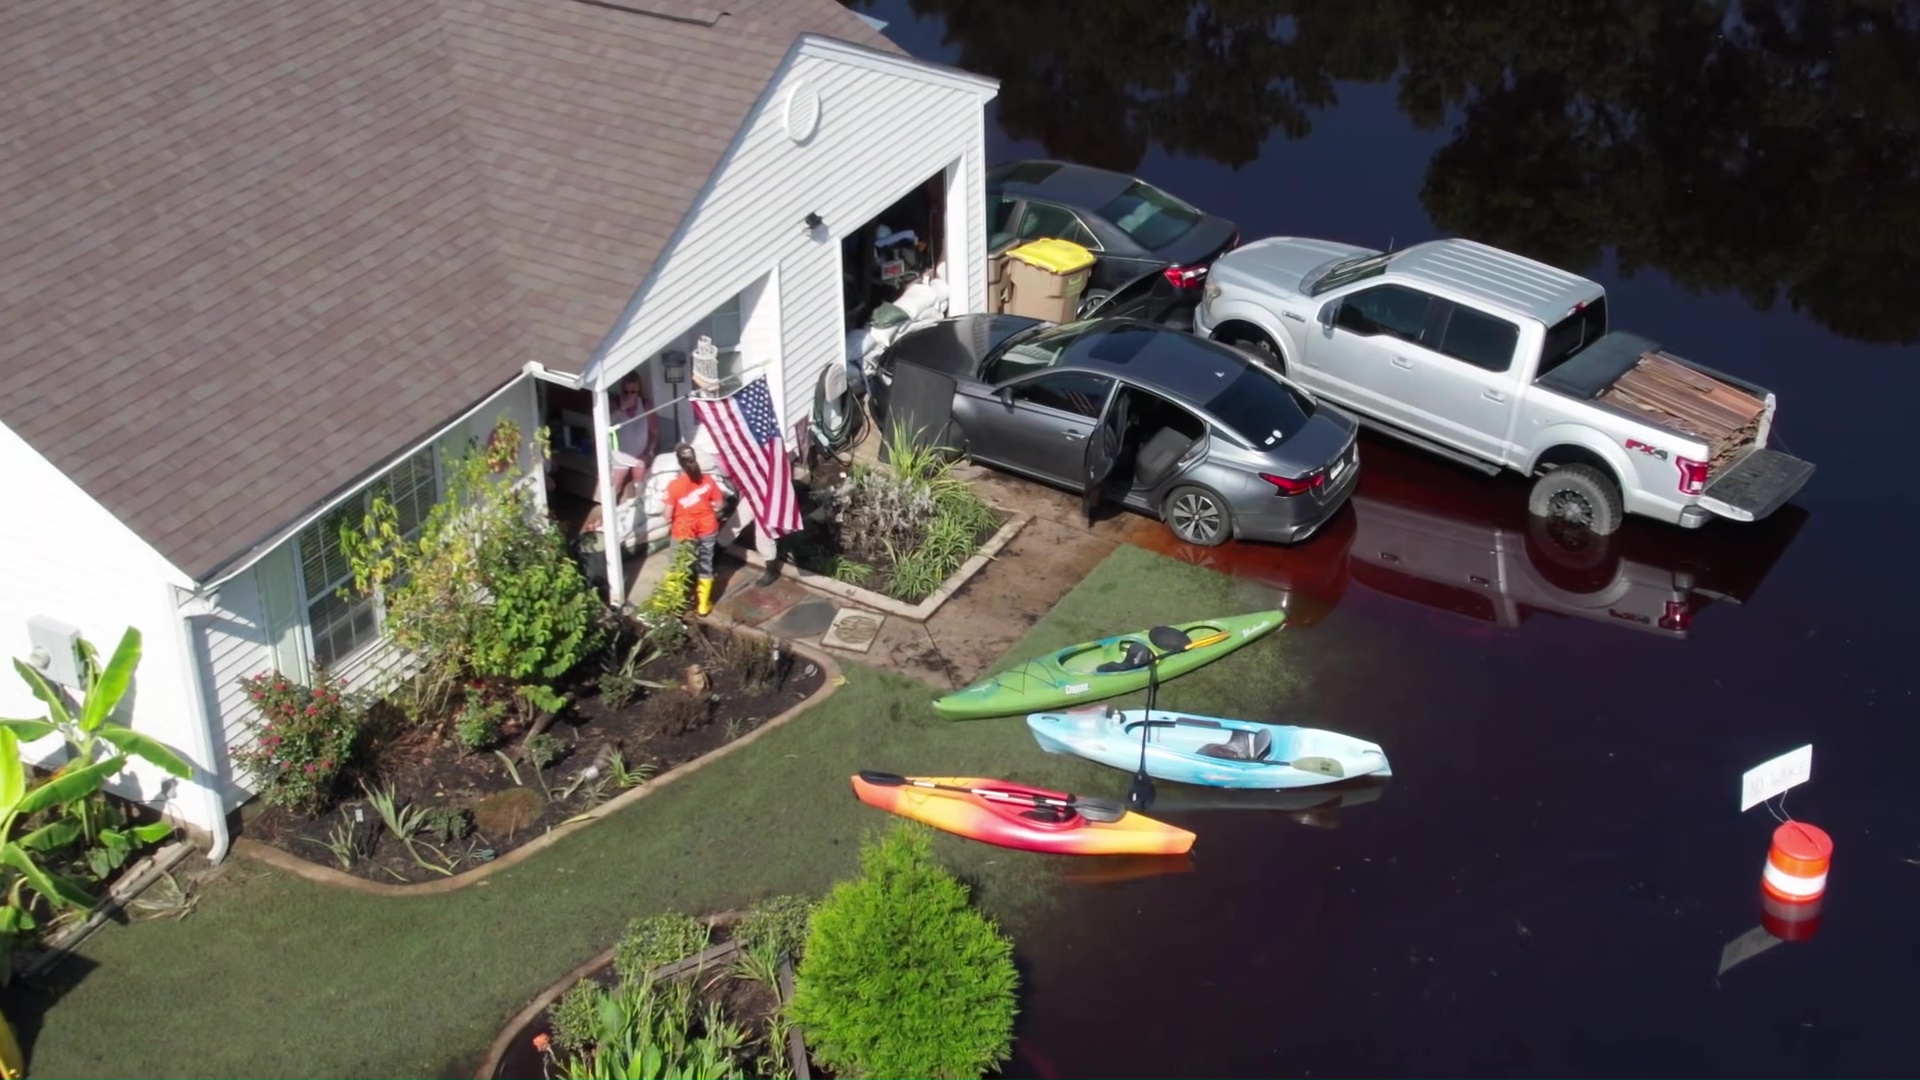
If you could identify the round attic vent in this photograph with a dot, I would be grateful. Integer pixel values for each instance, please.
(803, 112)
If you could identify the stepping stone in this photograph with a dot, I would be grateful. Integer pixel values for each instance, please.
(807, 619)
(754, 606)
(853, 630)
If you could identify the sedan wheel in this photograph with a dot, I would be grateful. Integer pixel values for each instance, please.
(1198, 516)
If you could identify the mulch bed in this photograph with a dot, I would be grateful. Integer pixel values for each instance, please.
(656, 731)
(817, 547)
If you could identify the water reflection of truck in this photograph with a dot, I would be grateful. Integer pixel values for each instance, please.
(1447, 540)
(1427, 532)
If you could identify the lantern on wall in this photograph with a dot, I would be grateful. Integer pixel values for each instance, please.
(706, 364)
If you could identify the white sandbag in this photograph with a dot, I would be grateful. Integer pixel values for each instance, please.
(923, 301)
(859, 344)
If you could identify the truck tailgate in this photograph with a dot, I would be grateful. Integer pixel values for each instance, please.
(1756, 485)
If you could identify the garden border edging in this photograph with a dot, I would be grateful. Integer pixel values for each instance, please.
(919, 612)
(504, 1041)
(831, 680)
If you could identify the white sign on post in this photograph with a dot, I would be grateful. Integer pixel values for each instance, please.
(1763, 782)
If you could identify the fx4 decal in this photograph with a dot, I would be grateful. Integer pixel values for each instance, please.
(1648, 449)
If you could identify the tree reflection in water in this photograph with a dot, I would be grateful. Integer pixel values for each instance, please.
(1768, 149)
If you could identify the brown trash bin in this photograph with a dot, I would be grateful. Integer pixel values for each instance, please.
(1047, 278)
(997, 282)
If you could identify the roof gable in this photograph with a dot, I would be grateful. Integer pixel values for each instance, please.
(251, 249)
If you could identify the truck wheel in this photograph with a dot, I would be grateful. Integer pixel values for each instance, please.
(1197, 516)
(1257, 343)
(1579, 495)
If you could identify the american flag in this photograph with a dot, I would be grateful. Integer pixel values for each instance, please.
(746, 432)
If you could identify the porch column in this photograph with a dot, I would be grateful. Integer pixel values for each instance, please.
(609, 512)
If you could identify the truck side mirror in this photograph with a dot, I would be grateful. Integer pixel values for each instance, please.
(1005, 394)
(1327, 310)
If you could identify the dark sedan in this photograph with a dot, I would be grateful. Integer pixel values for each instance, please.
(1131, 226)
(1194, 432)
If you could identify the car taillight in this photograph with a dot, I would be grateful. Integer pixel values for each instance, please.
(1181, 277)
(1679, 616)
(1693, 475)
(1296, 485)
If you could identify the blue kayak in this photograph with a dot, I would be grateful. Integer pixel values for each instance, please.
(1209, 751)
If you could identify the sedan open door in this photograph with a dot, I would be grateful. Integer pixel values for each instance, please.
(1104, 447)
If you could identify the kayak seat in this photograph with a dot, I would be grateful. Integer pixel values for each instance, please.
(1050, 814)
(1241, 746)
(1133, 656)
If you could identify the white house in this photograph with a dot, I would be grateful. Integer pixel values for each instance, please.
(258, 257)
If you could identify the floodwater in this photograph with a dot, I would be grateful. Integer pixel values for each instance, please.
(1550, 883)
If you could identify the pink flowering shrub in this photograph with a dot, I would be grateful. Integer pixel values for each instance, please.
(303, 739)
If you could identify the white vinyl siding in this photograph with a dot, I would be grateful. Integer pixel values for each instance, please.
(235, 639)
(341, 623)
(69, 558)
(886, 128)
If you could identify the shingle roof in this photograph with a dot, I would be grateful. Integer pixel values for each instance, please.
(252, 249)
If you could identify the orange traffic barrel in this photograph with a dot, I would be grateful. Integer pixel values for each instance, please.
(1789, 921)
(1796, 870)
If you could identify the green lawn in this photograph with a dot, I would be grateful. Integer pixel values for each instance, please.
(275, 976)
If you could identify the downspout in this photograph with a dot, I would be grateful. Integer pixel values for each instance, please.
(205, 753)
(609, 511)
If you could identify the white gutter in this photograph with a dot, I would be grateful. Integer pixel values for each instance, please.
(205, 751)
(540, 371)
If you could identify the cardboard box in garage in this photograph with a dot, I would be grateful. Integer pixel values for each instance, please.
(1047, 279)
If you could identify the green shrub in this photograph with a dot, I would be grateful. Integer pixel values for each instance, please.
(902, 977)
(649, 1031)
(303, 740)
(479, 723)
(779, 923)
(657, 940)
(483, 587)
(916, 512)
(575, 1016)
(665, 609)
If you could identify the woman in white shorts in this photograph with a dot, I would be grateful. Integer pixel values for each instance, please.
(633, 441)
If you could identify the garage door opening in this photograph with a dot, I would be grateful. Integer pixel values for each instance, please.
(899, 272)
(885, 257)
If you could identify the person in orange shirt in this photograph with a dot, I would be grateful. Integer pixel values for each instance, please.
(694, 500)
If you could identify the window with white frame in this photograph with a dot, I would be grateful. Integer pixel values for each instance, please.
(343, 625)
(724, 325)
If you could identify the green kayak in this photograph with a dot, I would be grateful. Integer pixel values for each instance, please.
(1106, 668)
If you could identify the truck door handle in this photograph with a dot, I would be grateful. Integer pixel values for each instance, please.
(1075, 436)
(1493, 395)
(1402, 362)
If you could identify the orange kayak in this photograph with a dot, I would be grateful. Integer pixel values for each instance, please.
(1017, 816)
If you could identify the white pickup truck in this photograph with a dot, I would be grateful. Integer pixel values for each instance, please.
(1501, 362)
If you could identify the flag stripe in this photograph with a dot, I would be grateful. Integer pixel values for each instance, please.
(746, 433)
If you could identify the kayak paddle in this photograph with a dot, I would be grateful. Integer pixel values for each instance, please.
(1168, 639)
(1092, 809)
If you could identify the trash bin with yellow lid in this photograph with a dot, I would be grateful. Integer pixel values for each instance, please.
(1047, 278)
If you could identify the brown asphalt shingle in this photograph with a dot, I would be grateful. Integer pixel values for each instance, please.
(252, 249)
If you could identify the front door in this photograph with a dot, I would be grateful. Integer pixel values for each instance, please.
(1039, 424)
(1363, 356)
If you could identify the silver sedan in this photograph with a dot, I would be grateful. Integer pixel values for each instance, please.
(1189, 430)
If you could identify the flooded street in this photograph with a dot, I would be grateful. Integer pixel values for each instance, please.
(1550, 883)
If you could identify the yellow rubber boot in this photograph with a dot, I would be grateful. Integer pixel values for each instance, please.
(706, 595)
